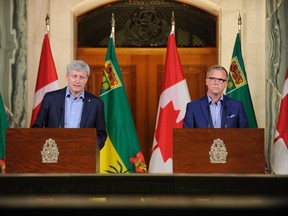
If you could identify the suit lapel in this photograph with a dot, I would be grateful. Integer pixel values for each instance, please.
(86, 109)
(60, 104)
(225, 106)
(205, 109)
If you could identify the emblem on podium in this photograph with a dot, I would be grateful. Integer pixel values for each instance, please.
(218, 152)
(50, 152)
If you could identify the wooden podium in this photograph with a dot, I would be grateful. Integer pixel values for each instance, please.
(34, 150)
(244, 147)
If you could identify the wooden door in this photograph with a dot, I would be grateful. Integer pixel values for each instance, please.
(142, 70)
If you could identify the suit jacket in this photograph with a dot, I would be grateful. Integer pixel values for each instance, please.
(198, 114)
(52, 113)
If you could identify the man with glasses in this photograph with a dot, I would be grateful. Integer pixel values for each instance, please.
(72, 106)
(215, 110)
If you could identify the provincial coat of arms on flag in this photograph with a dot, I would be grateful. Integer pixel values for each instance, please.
(237, 75)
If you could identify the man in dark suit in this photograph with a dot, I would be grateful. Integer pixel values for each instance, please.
(215, 110)
(73, 106)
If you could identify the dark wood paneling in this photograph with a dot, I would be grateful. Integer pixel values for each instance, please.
(142, 70)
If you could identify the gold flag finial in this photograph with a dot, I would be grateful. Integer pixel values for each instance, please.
(113, 27)
(239, 22)
(112, 21)
(47, 20)
(173, 22)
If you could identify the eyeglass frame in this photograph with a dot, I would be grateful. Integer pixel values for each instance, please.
(220, 80)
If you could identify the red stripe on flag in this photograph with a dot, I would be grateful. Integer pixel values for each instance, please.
(47, 79)
(173, 67)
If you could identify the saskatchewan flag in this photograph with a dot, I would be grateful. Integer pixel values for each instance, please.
(3, 126)
(237, 87)
(121, 152)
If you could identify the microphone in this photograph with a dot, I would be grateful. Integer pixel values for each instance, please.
(44, 118)
(209, 115)
(61, 116)
(225, 116)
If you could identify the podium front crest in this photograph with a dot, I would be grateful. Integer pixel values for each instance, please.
(50, 152)
(218, 152)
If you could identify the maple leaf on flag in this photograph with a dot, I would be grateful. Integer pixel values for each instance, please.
(164, 137)
(171, 110)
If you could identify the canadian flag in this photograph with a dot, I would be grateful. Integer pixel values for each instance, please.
(47, 79)
(279, 150)
(171, 110)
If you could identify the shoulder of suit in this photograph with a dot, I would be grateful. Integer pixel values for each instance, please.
(229, 99)
(198, 101)
(90, 95)
(57, 91)
(204, 99)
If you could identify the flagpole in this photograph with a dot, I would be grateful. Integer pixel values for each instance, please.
(122, 151)
(47, 78)
(172, 102)
(241, 90)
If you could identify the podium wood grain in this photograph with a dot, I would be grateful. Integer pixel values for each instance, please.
(245, 147)
(76, 146)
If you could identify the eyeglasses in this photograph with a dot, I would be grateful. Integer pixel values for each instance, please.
(218, 79)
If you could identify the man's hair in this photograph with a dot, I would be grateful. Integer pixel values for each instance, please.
(217, 67)
(78, 65)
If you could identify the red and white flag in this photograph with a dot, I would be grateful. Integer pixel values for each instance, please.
(279, 150)
(171, 110)
(47, 79)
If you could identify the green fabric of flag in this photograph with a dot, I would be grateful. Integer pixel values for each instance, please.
(237, 86)
(121, 152)
(3, 126)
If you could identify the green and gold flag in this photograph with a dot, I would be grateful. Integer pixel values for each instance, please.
(237, 87)
(121, 152)
(3, 126)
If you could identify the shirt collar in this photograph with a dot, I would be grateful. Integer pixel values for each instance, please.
(68, 94)
(210, 100)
